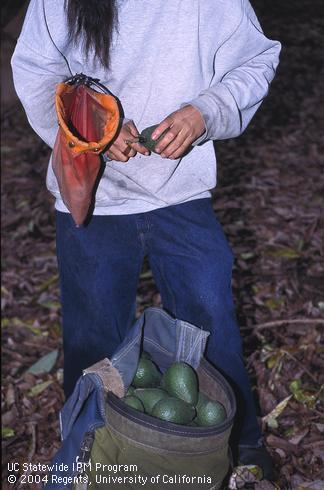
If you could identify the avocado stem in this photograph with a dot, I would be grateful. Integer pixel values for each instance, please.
(139, 139)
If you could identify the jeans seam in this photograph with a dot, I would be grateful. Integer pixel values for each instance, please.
(169, 289)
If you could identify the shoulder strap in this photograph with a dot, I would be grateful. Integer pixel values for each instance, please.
(50, 35)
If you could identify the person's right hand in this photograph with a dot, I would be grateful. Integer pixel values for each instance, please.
(121, 151)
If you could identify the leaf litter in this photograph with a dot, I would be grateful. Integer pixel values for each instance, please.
(269, 200)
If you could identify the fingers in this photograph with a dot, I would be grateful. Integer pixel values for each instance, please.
(121, 151)
(170, 136)
(174, 143)
(165, 124)
(171, 140)
(137, 147)
(133, 133)
(131, 128)
(119, 156)
(175, 138)
(174, 147)
(177, 149)
(182, 128)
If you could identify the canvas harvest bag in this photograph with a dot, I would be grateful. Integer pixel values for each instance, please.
(88, 117)
(99, 429)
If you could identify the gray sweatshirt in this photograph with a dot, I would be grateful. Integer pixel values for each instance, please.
(165, 54)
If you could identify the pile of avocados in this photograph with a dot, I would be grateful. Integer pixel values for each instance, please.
(174, 396)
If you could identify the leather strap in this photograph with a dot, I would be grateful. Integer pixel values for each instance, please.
(110, 377)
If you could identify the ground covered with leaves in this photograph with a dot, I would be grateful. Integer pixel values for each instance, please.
(269, 199)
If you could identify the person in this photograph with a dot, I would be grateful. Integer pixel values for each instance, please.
(200, 70)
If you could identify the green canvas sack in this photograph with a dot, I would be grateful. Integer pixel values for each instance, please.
(132, 450)
(163, 455)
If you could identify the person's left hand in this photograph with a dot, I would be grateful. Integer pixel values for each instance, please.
(186, 125)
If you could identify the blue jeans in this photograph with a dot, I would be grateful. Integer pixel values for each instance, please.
(191, 262)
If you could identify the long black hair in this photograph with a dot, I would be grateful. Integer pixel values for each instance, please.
(92, 22)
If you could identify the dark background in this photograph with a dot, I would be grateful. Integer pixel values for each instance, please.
(269, 199)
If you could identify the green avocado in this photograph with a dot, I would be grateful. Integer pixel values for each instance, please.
(146, 355)
(180, 380)
(130, 391)
(209, 412)
(149, 397)
(146, 137)
(174, 410)
(147, 375)
(202, 400)
(133, 402)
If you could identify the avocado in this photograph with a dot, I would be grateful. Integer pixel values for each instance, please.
(146, 355)
(149, 397)
(174, 410)
(146, 137)
(180, 380)
(209, 412)
(147, 375)
(133, 402)
(202, 400)
(130, 391)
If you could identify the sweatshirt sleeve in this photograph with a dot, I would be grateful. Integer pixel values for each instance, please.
(38, 67)
(247, 61)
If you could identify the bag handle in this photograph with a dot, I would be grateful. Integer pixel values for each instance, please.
(54, 44)
(82, 79)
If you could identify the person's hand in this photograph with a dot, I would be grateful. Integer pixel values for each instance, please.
(186, 125)
(120, 150)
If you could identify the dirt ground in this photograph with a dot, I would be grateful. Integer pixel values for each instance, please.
(269, 200)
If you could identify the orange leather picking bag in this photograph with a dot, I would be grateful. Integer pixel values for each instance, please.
(88, 121)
